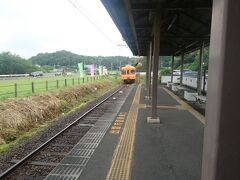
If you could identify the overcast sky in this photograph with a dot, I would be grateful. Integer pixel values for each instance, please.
(29, 27)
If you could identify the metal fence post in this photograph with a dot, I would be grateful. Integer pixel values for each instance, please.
(33, 87)
(57, 84)
(15, 89)
(73, 81)
(83, 79)
(46, 85)
(78, 81)
(65, 82)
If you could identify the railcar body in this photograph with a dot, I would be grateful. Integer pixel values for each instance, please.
(128, 74)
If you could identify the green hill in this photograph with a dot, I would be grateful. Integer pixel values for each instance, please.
(68, 59)
(14, 64)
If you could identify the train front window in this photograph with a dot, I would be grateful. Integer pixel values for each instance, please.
(132, 71)
(123, 72)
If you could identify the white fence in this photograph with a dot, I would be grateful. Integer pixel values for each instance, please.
(13, 75)
(190, 81)
(165, 79)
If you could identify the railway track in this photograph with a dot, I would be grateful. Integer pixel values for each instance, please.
(41, 161)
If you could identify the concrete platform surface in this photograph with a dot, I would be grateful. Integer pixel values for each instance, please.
(171, 150)
(133, 149)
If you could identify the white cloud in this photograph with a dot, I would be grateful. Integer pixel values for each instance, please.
(29, 27)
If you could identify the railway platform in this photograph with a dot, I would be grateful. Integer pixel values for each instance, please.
(122, 145)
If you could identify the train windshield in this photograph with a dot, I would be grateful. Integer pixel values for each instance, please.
(132, 71)
(123, 71)
(128, 71)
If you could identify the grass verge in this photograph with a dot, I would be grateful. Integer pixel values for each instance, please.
(21, 118)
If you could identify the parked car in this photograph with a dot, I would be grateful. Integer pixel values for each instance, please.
(185, 72)
(36, 73)
(176, 72)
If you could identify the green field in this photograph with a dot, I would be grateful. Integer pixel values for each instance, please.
(27, 86)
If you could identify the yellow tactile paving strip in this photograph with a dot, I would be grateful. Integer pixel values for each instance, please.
(187, 107)
(121, 164)
(116, 127)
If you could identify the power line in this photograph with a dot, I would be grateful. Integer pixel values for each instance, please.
(81, 10)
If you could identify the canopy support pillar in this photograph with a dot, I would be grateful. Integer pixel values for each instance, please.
(172, 68)
(222, 130)
(154, 118)
(200, 68)
(148, 71)
(181, 70)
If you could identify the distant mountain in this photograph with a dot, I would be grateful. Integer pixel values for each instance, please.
(14, 64)
(68, 59)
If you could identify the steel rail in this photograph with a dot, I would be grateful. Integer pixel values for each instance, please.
(31, 154)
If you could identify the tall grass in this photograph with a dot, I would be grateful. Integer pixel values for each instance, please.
(18, 116)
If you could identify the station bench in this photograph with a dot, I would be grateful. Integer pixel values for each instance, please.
(180, 90)
(169, 84)
(201, 99)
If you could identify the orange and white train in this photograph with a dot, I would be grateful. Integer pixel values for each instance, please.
(128, 74)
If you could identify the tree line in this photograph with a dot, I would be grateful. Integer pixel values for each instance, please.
(67, 59)
(14, 64)
(46, 62)
(191, 62)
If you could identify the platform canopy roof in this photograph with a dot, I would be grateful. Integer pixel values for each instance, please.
(184, 24)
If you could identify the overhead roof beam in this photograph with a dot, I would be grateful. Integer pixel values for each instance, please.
(192, 44)
(170, 38)
(184, 29)
(140, 40)
(134, 20)
(186, 37)
(140, 17)
(153, 6)
(132, 23)
(143, 6)
(173, 44)
(172, 22)
(195, 19)
(144, 26)
(187, 48)
(188, 44)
